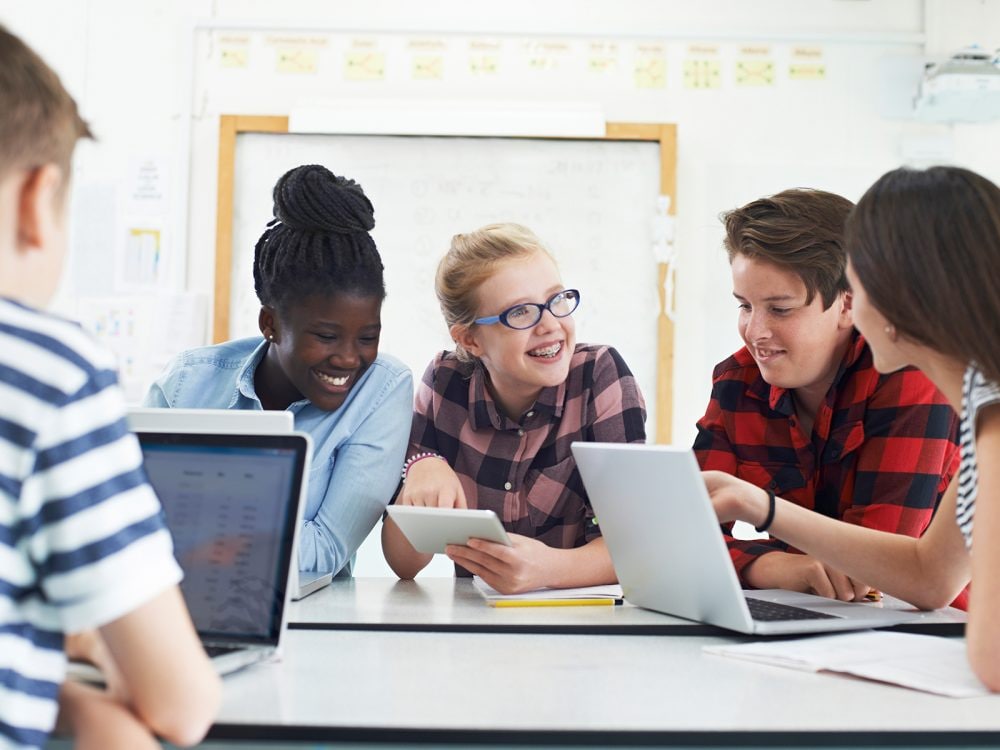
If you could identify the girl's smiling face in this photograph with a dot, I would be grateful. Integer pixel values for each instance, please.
(521, 363)
(321, 347)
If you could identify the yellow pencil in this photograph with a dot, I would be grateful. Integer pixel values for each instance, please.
(553, 602)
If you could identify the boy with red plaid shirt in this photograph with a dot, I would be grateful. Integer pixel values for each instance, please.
(802, 411)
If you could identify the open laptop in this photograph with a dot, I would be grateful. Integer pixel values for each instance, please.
(233, 504)
(245, 421)
(669, 554)
(241, 421)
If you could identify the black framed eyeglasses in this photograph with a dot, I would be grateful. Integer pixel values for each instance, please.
(527, 314)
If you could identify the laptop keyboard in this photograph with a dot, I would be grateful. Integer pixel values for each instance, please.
(219, 650)
(772, 611)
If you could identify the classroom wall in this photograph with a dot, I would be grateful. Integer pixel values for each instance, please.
(153, 77)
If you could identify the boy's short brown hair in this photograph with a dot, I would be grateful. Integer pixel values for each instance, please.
(39, 121)
(800, 230)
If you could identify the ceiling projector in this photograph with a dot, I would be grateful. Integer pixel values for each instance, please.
(963, 88)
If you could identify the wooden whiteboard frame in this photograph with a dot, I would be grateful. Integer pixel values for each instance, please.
(230, 126)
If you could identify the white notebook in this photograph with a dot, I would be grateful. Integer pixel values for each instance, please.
(920, 662)
(610, 591)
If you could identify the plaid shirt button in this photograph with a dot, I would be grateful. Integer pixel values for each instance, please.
(507, 485)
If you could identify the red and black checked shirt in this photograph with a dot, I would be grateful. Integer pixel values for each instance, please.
(882, 452)
(523, 470)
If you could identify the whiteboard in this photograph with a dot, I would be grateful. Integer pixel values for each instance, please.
(592, 203)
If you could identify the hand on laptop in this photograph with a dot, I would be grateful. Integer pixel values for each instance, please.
(432, 483)
(510, 570)
(794, 572)
(737, 500)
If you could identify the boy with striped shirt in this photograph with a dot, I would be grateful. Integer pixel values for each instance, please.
(82, 540)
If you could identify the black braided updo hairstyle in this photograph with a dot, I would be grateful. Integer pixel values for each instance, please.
(318, 241)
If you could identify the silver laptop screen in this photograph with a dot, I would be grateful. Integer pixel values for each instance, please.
(230, 503)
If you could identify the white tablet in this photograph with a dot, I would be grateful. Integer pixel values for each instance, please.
(430, 530)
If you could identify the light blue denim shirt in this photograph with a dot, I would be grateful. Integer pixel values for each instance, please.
(358, 449)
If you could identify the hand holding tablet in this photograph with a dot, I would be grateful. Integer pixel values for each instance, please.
(430, 530)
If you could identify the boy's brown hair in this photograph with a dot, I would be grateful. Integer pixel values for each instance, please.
(800, 230)
(39, 121)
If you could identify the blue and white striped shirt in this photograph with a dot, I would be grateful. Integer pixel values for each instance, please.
(82, 540)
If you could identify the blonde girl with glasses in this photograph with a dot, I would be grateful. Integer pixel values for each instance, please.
(494, 419)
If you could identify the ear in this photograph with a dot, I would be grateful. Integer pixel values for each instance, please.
(464, 337)
(846, 310)
(267, 321)
(40, 207)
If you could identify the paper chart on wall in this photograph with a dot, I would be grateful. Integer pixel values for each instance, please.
(141, 241)
(144, 332)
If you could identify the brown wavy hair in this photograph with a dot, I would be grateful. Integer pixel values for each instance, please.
(39, 121)
(800, 230)
(925, 245)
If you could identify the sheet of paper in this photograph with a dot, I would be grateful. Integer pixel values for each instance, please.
(609, 591)
(920, 662)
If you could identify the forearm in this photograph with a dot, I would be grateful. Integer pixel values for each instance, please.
(319, 549)
(174, 691)
(589, 565)
(405, 561)
(329, 540)
(97, 721)
(983, 631)
(745, 553)
(982, 634)
(896, 564)
(361, 484)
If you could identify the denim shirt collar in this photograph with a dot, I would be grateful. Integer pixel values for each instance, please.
(245, 381)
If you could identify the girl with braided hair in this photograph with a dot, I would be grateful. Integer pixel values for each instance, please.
(319, 279)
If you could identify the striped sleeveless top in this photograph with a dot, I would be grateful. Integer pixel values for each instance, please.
(977, 392)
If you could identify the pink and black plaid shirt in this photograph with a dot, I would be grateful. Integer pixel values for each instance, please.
(523, 469)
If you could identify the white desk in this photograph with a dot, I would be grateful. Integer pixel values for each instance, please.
(514, 688)
(453, 605)
(427, 663)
